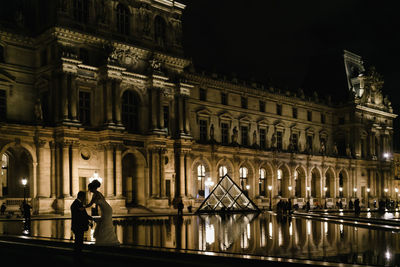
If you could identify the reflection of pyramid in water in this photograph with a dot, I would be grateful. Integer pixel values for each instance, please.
(227, 197)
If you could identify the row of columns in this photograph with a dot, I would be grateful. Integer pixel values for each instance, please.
(58, 173)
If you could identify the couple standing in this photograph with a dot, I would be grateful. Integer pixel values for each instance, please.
(104, 233)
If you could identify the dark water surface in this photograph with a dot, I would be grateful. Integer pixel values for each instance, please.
(262, 234)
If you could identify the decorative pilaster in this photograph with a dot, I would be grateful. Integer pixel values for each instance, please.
(74, 168)
(53, 169)
(109, 171)
(43, 182)
(65, 170)
(64, 96)
(118, 171)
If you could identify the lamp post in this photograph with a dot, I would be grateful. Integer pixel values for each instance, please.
(290, 190)
(325, 189)
(340, 192)
(24, 182)
(355, 192)
(397, 194)
(270, 196)
(386, 190)
(308, 198)
(368, 190)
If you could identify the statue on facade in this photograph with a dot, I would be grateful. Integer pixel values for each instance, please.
(335, 149)
(273, 140)
(348, 151)
(212, 132)
(144, 13)
(234, 135)
(38, 111)
(322, 147)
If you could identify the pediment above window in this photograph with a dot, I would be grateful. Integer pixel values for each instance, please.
(6, 77)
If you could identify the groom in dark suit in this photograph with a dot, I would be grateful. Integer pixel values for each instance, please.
(80, 221)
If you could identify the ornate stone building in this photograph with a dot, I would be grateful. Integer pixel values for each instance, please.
(96, 88)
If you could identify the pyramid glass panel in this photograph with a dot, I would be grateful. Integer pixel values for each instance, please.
(227, 197)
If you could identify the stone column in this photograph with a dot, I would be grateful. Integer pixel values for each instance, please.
(154, 173)
(109, 170)
(117, 104)
(180, 114)
(53, 170)
(65, 170)
(162, 173)
(43, 183)
(118, 171)
(64, 96)
(74, 98)
(108, 101)
(154, 105)
(182, 174)
(186, 115)
(161, 108)
(74, 169)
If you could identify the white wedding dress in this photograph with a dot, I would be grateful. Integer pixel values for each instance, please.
(104, 233)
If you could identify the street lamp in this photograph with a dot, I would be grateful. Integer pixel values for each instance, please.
(397, 191)
(386, 190)
(290, 190)
(340, 192)
(24, 182)
(368, 190)
(270, 196)
(355, 192)
(325, 189)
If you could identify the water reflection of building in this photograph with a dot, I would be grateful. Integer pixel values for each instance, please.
(263, 235)
(74, 102)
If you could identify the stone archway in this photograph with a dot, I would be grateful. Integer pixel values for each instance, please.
(343, 184)
(19, 165)
(282, 181)
(201, 172)
(300, 182)
(330, 183)
(133, 179)
(315, 183)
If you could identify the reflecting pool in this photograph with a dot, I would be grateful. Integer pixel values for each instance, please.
(264, 234)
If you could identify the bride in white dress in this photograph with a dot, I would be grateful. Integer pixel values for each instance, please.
(104, 232)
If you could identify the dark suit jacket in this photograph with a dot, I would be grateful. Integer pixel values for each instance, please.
(80, 218)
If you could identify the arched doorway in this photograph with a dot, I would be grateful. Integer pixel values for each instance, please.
(343, 184)
(282, 182)
(329, 183)
(133, 179)
(300, 182)
(17, 163)
(315, 183)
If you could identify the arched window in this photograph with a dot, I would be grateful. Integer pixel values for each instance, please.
(261, 182)
(160, 31)
(201, 175)
(130, 111)
(223, 170)
(123, 19)
(81, 10)
(279, 182)
(243, 172)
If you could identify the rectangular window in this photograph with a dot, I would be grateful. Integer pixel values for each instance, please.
(224, 133)
(322, 118)
(279, 109)
(262, 106)
(224, 98)
(309, 115)
(84, 108)
(203, 130)
(3, 105)
(244, 102)
(203, 94)
(244, 133)
(294, 113)
(166, 118)
(262, 138)
(279, 140)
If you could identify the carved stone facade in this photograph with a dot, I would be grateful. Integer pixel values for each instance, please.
(117, 100)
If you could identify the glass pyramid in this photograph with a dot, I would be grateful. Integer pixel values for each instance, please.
(227, 197)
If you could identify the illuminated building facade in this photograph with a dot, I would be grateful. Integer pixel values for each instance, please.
(103, 88)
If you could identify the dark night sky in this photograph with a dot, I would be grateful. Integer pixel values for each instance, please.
(293, 44)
